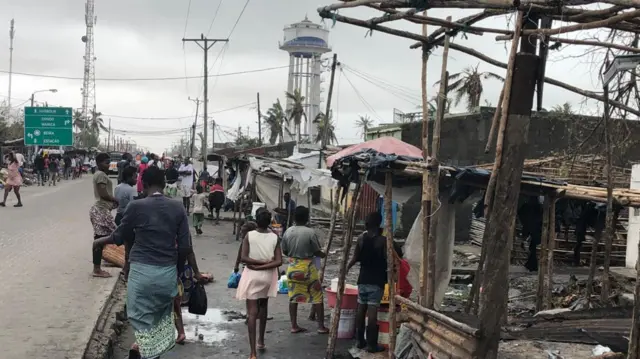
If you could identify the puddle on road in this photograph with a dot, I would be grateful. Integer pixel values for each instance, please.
(206, 328)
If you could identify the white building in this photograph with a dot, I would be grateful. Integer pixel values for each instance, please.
(305, 42)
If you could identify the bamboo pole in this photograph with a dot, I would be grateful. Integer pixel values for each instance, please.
(609, 221)
(332, 228)
(346, 251)
(548, 287)
(488, 199)
(425, 205)
(494, 122)
(391, 263)
(542, 268)
(474, 297)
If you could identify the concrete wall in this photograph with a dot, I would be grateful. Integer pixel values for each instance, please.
(464, 137)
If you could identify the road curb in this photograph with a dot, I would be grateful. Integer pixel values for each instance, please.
(109, 325)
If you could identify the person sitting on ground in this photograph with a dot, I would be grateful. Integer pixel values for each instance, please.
(262, 256)
(301, 245)
(371, 252)
(216, 199)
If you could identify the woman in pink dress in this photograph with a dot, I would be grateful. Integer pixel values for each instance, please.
(262, 256)
(141, 168)
(14, 180)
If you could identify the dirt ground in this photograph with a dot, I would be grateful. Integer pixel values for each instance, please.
(221, 333)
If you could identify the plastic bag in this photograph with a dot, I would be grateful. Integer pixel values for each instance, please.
(234, 280)
(198, 300)
(283, 285)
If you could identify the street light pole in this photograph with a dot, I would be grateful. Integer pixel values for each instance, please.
(33, 94)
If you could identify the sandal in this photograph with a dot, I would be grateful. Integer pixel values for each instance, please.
(323, 331)
(18, 205)
(261, 347)
(298, 330)
(102, 274)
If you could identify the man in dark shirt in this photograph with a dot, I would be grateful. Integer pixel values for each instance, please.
(38, 163)
(371, 252)
(67, 166)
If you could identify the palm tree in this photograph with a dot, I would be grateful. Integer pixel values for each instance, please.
(78, 121)
(276, 121)
(364, 123)
(320, 122)
(468, 84)
(296, 112)
(564, 109)
(96, 123)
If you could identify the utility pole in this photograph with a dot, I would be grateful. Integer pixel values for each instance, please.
(259, 123)
(205, 44)
(108, 136)
(325, 129)
(12, 33)
(213, 137)
(195, 123)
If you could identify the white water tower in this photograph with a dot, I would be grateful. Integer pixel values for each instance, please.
(305, 42)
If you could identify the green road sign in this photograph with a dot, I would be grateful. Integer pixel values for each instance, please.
(48, 126)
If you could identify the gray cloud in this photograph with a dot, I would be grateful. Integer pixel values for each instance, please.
(143, 39)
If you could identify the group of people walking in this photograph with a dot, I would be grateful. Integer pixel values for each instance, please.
(161, 267)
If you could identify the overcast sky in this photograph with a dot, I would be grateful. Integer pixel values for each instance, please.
(142, 39)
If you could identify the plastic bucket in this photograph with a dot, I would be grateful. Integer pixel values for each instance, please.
(347, 324)
(349, 299)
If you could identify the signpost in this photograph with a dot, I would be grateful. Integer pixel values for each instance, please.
(48, 126)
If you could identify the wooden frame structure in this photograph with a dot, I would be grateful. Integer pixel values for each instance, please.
(525, 73)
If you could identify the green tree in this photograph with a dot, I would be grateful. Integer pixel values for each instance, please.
(364, 123)
(276, 121)
(564, 109)
(467, 84)
(320, 122)
(296, 112)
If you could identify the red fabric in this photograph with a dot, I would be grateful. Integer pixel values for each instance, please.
(141, 169)
(386, 145)
(405, 287)
(217, 188)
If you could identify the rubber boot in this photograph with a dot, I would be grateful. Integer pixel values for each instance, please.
(372, 339)
(361, 343)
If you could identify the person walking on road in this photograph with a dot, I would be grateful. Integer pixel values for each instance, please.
(371, 252)
(67, 165)
(199, 207)
(186, 182)
(54, 167)
(14, 180)
(162, 245)
(216, 199)
(143, 167)
(100, 213)
(124, 193)
(301, 245)
(38, 163)
(261, 255)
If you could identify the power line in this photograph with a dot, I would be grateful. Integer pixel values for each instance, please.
(179, 117)
(148, 78)
(215, 14)
(238, 20)
(364, 102)
(406, 97)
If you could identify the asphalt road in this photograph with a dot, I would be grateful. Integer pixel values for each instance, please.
(50, 302)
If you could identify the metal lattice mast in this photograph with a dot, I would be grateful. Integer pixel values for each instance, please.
(89, 83)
